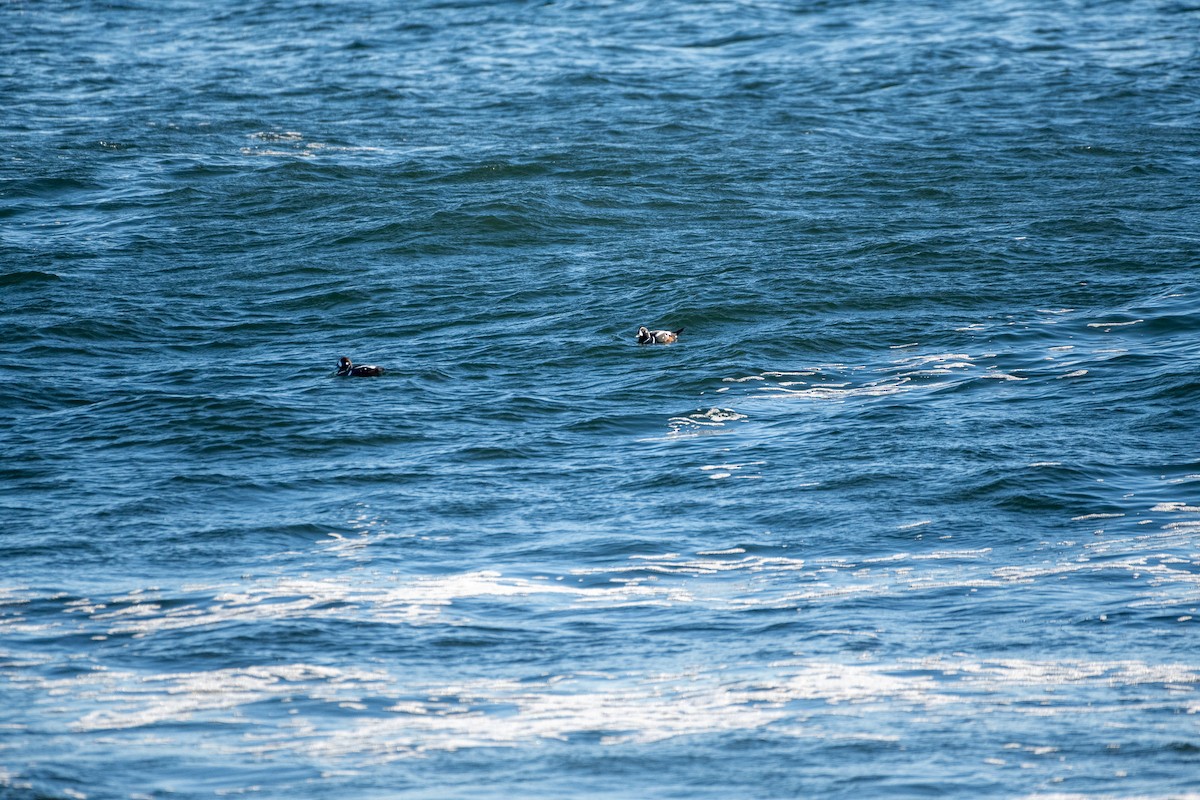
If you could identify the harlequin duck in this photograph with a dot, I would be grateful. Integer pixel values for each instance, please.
(346, 369)
(647, 336)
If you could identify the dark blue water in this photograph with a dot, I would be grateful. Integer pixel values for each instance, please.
(912, 509)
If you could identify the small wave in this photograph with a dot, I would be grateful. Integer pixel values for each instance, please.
(28, 276)
(1115, 324)
(272, 143)
(705, 419)
(409, 719)
(729, 470)
(277, 136)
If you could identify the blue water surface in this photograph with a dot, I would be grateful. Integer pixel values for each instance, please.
(911, 510)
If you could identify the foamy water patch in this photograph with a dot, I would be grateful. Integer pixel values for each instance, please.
(346, 598)
(1161, 568)
(916, 372)
(824, 382)
(293, 144)
(145, 700)
(703, 421)
(839, 383)
(836, 392)
(744, 471)
(739, 582)
(1176, 507)
(1115, 324)
(383, 716)
(931, 365)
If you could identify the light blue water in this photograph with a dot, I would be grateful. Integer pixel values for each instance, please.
(912, 508)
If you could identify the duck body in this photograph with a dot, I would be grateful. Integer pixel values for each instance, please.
(347, 369)
(647, 336)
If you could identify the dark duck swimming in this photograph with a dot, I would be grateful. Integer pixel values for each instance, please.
(347, 369)
(647, 336)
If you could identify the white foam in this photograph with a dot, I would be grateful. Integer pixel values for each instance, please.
(1114, 324)
(410, 719)
(719, 471)
(1175, 507)
(956, 359)
(414, 601)
(836, 392)
(708, 418)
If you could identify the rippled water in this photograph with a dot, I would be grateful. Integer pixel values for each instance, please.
(912, 509)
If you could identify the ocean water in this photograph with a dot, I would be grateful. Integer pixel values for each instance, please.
(911, 510)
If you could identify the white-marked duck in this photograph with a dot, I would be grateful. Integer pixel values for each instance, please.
(647, 336)
(347, 369)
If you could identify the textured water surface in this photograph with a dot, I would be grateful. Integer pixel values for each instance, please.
(912, 509)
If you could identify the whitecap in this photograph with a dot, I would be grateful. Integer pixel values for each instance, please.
(1114, 324)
